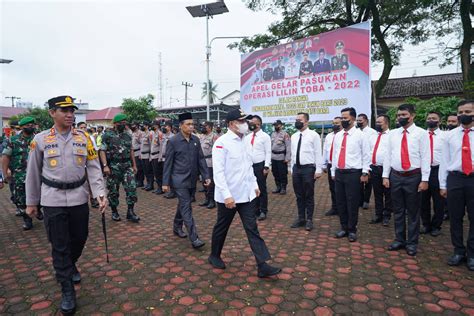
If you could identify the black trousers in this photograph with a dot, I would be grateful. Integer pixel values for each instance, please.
(332, 188)
(383, 198)
(67, 229)
(348, 198)
(148, 171)
(438, 202)
(461, 198)
(365, 192)
(262, 200)
(303, 185)
(184, 212)
(247, 216)
(139, 177)
(210, 189)
(406, 202)
(157, 171)
(280, 172)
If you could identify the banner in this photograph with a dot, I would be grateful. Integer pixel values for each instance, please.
(319, 75)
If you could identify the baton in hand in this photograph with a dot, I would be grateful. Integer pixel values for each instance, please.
(104, 230)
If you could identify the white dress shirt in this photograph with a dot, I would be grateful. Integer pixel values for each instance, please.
(357, 150)
(310, 151)
(233, 172)
(382, 148)
(261, 150)
(438, 141)
(328, 141)
(451, 154)
(369, 131)
(418, 151)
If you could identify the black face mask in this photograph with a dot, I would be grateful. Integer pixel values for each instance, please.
(120, 128)
(203, 130)
(359, 125)
(345, 124)
(28, 130)
(403, 121)
(277, 128)
(336, 128)
(252, 127)
(465, 119)
(378, 128)
(218, 130)
(450, 126)
(299, 125)
(432, 124)
(134, 128)
(163, 130)
(142, 128)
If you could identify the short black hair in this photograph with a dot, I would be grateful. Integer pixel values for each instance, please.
(364, 116)
(258, 118)
(452, 114)
(407, 107)
(337, 118)
(321, 50)
(80, 123)
(464, 102)
(351, 110)
(386, 118)
(208, 123)
(306, 115)
(435, 112)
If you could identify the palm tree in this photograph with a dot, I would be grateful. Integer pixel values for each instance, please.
(212, 92)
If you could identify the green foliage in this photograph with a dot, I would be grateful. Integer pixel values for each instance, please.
(212, 91)
(41, 116)
(444, 106)
(139, 110)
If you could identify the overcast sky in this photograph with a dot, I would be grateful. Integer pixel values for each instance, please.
(102, 51)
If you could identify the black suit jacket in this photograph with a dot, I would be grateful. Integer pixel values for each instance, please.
(184, 161)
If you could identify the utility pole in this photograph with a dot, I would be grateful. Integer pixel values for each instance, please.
(186, 85)
(13, 100)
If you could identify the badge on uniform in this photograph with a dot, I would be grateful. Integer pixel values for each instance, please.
(53, 162)
(32, 145)
(195, 144)
(79, 160)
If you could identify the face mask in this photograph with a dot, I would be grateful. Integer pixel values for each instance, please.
(142, 128)
(450, 126)
(163, 130)
(218, 130)
(359, 125)
(277, 128)
(203, 130)
(378, 128)
(465, 119)
(336, 128)
(299, 125)
(120, 127)
(432, 124)
(403, 121)
(243, 128)
(252, 127)
(345, 124)
(134, 128)
(29, 130)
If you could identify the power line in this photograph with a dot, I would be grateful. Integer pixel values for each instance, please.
(13, 100)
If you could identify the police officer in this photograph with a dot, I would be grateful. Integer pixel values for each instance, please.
(340, 61)
(167, 135)
(268, 71)
(145, 147)
(281, 155)
(219, 132)
(155, 152)
(207, 141)
(118, 161)
(56, 176)
(15, 158)
(136, 139)
(322, 64)
(279, 70)
(306, 66)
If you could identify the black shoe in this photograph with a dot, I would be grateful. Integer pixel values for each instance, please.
(131, 216)
(158, 191)
(180, 233)
(94, 203)
(283, 190)
(139, 184)
(340, 234)
(375, 220)
(352, 237)
(202, 190)
(396, 245)
(216, 262)
(170, 195)
(27, 222)
(40, 215)
(211, 204)
(298, 223)
(19, 212)
(456, 260)
(425, 230)
(309, 226)
(68, 301)
(262, 216)
(436, 232)
(204, 203)
(277, 190)
(330, 212)
(265, 270)
(76, 276)
(116, 216)
(470, 264)
(198, 243)
(411, 250)
(365, 206)
(386, 221)
(149, 188)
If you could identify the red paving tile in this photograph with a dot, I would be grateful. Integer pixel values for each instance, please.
(153, 272)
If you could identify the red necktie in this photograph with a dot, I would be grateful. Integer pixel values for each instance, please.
(431, 145)
(253, 138)
(466, 153)
(332, 148)
(342, 153)
(405, 155)
(374, 155)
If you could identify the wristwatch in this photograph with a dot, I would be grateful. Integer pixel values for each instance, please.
(104, 165)
(365, 174)
(266, 168)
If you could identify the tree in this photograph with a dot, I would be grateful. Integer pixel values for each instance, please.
(212, 91)
(466, 9)
(41, 116)
(139, 110)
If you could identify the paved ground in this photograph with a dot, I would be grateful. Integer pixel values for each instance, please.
(153, 272)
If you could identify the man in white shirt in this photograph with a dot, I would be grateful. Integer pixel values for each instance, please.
(456, 181)
(436, 136)
(406, 171)
(236, 190)
(306, 166)
(365, 188)
(350, 168)
(328, 152)
(378, 151)
(260, 145)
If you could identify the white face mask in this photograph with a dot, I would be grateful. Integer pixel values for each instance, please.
(243, 128)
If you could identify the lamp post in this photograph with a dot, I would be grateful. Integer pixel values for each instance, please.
(5, 61)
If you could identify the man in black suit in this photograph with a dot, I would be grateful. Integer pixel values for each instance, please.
(184, 162)
(322, 64)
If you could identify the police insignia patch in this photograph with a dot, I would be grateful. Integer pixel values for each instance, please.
(32, 145)
(53, 162)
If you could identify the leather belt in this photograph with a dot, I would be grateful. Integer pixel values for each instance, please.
(343, 171)
(306, 166)
(136, 149)
(462, 174)
(157, 152)
(407, 173)
(279, 152)
(63, 185)
(144, 152)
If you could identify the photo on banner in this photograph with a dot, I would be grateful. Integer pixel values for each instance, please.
(320, 75)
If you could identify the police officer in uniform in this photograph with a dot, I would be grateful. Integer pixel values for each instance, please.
(340, 61)
(145, 147)
(279, 70)
(219, 132)
(207, 141)
(116, 155)
(167, 134)
(136, 140)
(306, 66)
(281, 155)
(156, 137)
(56, 175)
(268, 71)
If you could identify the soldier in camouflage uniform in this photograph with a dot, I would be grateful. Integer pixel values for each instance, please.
(116, 155)
(207, 139)
(15, 158)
